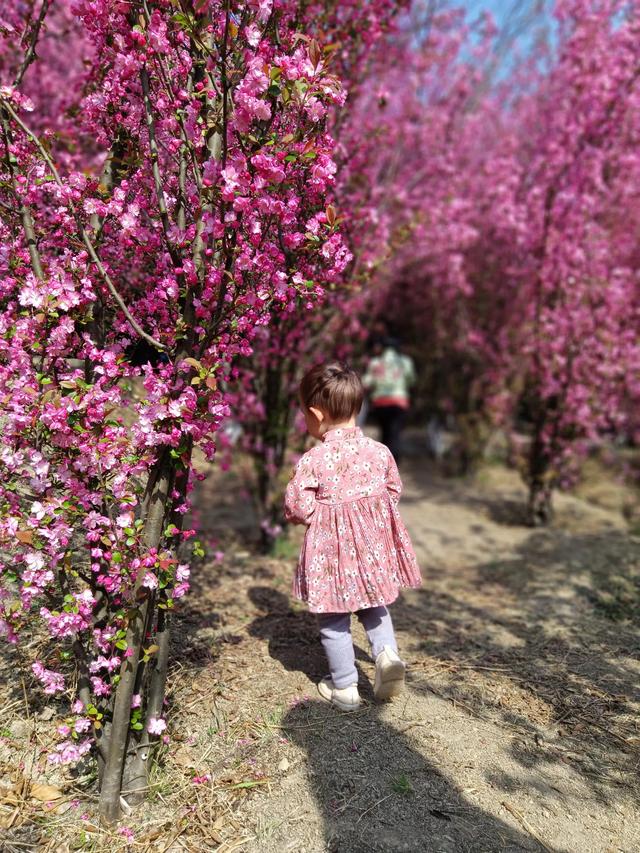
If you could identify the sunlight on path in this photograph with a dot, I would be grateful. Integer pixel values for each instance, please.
(517, 731)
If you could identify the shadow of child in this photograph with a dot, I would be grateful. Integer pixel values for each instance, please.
(292, 634)
(375, 792)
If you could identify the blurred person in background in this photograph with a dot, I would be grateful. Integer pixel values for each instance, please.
(388, 378)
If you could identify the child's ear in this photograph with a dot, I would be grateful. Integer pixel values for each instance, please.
(317, 414)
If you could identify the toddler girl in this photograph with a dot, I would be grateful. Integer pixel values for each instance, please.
(356, 552)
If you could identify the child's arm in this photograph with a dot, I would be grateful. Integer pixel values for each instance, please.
(394, 483)
(300, 497)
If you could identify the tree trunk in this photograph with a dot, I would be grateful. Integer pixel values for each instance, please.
(136, 769)
(135, 777)
(155, 504)
(540, 506)
(473, 432)
(273, 447)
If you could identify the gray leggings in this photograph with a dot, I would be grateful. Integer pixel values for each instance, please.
(335, 635)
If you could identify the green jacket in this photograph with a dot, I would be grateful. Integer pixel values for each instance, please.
(388, 379)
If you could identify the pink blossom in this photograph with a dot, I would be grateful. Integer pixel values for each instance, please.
(99, 686)
(53, 681)
(150, 580)
(69, 752)
(156, 726)
(214, 264)
(127, 833)
(182, 572)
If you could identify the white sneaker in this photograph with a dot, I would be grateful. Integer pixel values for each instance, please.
(390, 672)
(345, 698)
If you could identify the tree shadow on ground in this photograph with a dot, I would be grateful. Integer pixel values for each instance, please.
(378, 794)
(495, 493)
(11, 663)
(526, 641)
(292, 634)
(203, 626)
(507, 509)
(374, 790)
(531, 647)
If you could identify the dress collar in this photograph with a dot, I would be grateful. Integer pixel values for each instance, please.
(339, 433)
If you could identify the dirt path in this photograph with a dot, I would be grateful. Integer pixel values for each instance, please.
(518, 729)
(519, 726)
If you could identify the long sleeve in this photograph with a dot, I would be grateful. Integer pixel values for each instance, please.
(394, 483)
(300, 497)
(410, 371)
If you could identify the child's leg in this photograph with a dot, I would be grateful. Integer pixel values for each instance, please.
(335, 634)
(390, 670)
(376, 621)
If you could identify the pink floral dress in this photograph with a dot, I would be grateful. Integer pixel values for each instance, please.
(356, 551)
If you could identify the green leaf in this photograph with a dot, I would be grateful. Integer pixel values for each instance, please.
(187, 22)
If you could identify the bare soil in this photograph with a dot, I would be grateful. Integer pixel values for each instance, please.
(518, 730)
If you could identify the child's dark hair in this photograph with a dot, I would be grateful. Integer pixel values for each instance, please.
(334, 389)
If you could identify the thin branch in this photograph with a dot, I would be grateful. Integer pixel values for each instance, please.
(25, 213)
(30, 55)
(162, 204)
(83, 233)
(153, 149)
(225, 85)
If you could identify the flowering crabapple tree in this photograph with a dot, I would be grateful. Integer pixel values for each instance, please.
(263, 396)
(266, 386)
(160, 267)
(520, 277)
(580, 340)
(418, 176)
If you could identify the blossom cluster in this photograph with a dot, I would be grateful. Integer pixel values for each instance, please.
(158, 216)
(507, 211)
